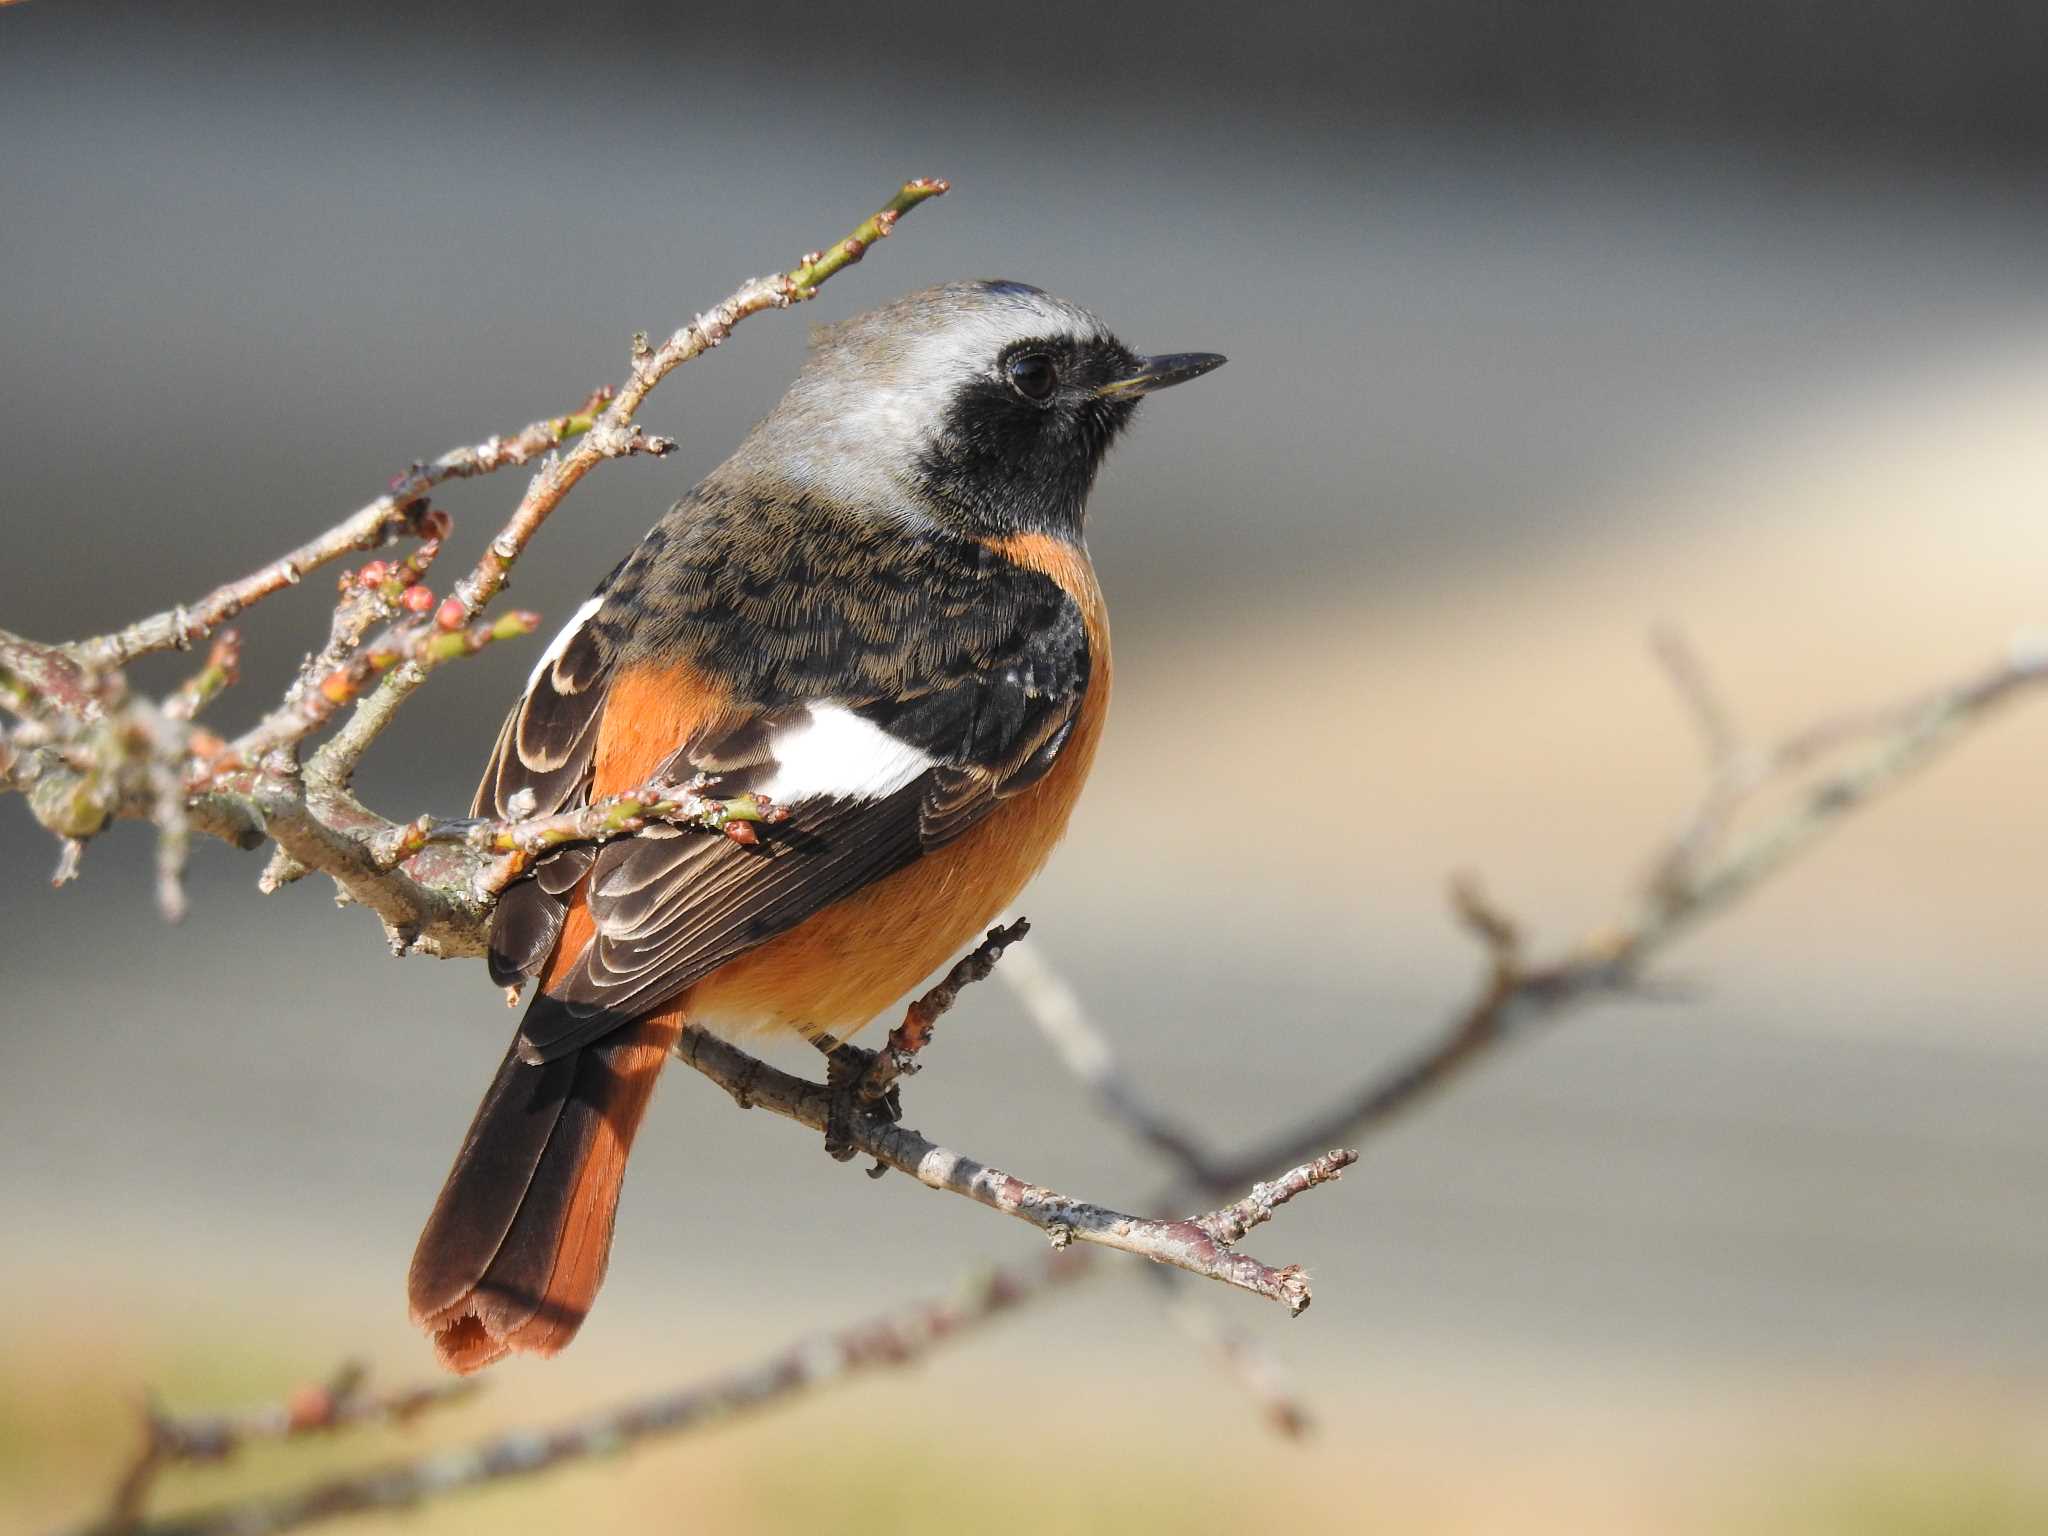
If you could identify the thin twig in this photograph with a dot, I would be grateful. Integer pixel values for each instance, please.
(1239, 1352)
(43, 678)
(87, 751)
(898, 1056)
(897, 1338)
(614, 434)
(223, 670)
(341, 1402)
(1693, 885)
(1517, 996)
(182, 627)
(399, 510)
(1053, 1005)
(1198, 1244)
(1695, 687)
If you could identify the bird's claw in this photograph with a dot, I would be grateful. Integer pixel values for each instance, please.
(846, 1067)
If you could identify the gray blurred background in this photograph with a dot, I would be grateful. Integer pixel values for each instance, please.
(1546, 324)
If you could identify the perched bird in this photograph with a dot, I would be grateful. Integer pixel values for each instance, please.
(880, 614)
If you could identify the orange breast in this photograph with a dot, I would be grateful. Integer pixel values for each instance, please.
(838, 970)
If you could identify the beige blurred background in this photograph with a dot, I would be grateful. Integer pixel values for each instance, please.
(1545, 326)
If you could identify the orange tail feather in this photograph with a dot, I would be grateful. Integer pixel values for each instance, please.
(515, 1251)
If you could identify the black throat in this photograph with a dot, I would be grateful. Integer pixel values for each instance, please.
(998, 467)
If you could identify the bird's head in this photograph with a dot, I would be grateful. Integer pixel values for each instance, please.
(984, 406)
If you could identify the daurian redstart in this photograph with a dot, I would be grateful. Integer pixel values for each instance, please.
(880, 614)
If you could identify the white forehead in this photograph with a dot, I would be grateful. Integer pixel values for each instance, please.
(926, 344)
(956, 319)
(876, 388)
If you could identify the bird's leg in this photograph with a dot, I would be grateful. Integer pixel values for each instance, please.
(865, 1083)
(846, 1074)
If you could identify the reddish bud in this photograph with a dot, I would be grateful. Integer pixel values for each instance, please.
(743, 833)
(373, 574)
(417, 599)
(336, 688)
(450, 614)
(309, 1408)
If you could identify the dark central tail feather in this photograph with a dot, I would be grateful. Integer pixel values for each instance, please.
(515, 1251)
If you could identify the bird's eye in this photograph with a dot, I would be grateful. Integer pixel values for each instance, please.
(1033, 376)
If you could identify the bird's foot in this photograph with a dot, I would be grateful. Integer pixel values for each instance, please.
(846, 1075)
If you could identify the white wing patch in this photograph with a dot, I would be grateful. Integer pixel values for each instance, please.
(834, 754)
(561, 641)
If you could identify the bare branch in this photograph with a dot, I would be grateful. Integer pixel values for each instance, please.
(1052, 1004)
(342, 1402)
(1056, 1009)
(222, 671)
(349, 664)
(1198, 1244)
(897, 1338)
(180, 628)
(1238, 1352)
(35, 678)
(400, 510)
(1514, 995)
(517, 843)
(87, 751)
(898, 1056)
(1689, 676)
(1710, 878)
(613, 434)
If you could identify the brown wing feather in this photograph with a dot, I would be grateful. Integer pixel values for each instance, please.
(546, 749)
(670, 910)
(546, 744)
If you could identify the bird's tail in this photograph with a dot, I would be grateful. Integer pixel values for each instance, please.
(515, 1251)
